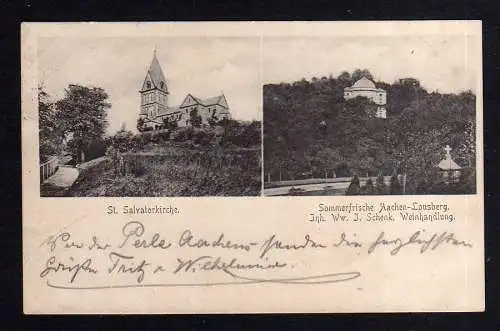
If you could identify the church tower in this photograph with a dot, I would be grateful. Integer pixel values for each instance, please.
(154, 91)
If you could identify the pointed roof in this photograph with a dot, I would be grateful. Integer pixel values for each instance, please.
(155, 73)
(448, 163)
(217, 100)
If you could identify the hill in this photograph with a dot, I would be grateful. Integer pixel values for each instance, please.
(310, 130)
(213, 161)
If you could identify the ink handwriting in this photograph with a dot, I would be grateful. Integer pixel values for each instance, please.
(140, 257)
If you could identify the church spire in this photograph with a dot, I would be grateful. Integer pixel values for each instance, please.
(155, 77)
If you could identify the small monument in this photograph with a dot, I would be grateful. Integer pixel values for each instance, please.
(449, 168)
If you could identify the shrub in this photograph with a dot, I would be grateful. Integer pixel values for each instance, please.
(182, 134)
(368, 189)
(124, 140)
(395, 186)
(203, 138)
(380, 187)
(353, 188)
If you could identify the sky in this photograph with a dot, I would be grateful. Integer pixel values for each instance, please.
(201, 66)
(443, 63)
(208, 66)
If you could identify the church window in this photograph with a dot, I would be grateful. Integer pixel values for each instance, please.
(161, 85)
(148, 84)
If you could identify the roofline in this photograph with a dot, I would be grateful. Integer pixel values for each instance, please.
(205, 104)
(364, 89)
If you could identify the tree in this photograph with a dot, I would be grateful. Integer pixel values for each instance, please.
(195, 118)
(81, 115)
(344, 79)
(140, 124)
(368, 189)
(353, 188)
(169, 124)
(311, 127)
(49, 132)
(380, 187)
(395, 186)
(360, 73)
(123, 140)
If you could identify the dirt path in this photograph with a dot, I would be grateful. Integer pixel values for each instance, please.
(64, 177)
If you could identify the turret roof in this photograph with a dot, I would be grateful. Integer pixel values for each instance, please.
(364, 83)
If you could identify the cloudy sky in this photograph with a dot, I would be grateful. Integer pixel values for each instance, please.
(202, 66)
(444, 63)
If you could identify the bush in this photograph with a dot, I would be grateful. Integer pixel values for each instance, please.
(124, 140)
(380, 187)
(395, 186)
(177, 172)
(202, 137)
(368, 189)
(182, 134)
(353, 188)
(241, 134)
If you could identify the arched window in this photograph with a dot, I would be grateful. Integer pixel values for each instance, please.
(162, 84)
(148, 84)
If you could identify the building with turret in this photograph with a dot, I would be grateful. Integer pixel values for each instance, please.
(366, 88)
(155, 109)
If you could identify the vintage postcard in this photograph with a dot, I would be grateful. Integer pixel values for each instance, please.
(252, 167)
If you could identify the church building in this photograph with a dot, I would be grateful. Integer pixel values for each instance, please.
(366, 88)
(155, 107)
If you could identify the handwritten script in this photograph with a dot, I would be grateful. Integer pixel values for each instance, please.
(139, 257)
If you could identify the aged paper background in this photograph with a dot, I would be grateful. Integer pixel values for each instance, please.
(446, 279)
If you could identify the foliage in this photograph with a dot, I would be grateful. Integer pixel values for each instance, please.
(395, 186)
(123, 140)
(194, 118)
(368, 188)
(241, 134)
(182, 134)
(310, 128)
(140, 124)
(81, 117)
(169, 124)
(176, 171)
(354, 188)
(50, 136)
(380, 187)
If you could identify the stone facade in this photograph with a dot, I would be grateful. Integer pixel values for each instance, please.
(366, 88)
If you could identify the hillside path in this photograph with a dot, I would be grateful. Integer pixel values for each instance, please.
(64, 177)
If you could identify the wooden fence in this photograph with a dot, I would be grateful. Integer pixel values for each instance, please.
(48, 168)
